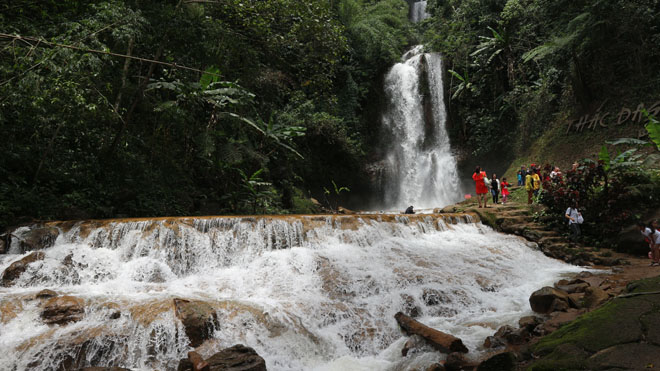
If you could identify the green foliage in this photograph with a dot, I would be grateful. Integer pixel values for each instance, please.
(269, 102)
(528, 60)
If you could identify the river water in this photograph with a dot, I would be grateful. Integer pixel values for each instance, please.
(307, 293)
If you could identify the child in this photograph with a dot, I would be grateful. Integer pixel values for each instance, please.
(520, 178)
(505, 189)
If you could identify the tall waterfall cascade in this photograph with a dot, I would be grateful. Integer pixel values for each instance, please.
(417, 10)
(306, 292)
(419, 168)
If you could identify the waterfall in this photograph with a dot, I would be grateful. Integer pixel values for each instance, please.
(306, 292)
(420, 169)
(417, 10)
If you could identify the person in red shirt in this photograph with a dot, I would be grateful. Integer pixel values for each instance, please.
(480, 186)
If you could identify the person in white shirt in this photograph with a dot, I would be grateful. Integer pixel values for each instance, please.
(574, 220)
(646, 232)
(654, 237)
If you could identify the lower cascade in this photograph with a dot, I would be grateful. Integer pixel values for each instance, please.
(306, 292)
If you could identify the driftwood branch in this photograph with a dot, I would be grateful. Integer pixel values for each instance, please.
(445, 343)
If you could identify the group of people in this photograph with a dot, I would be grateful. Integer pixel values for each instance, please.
(652, 237)
(484, 185)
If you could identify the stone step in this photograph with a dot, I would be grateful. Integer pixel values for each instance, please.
(553, 240)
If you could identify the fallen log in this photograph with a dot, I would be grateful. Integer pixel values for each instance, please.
(445, 343)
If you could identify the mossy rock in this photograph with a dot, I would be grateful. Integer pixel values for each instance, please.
(566, 357)
(645, 285)
(615, 323)
(487, 217)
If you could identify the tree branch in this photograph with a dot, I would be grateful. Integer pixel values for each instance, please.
(58, 45)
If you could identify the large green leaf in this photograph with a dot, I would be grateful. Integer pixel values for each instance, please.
(653, 128)
(604, 156)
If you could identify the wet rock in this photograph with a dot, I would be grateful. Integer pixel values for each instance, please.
(39, 238)
(548, 299)
(103, 369)
(45, 294)
(576, 299)
(237, 358)
(436, 367)
(455, 361)
(626, 357)
(18, 267)
(531, 234)
(594, 281)
(573, 288)
(594, 296)
(410, 307)
(343, 210)
(499, 362)
(197, 362)
(198, 319)
(584, 274)
(530, 322)
(413, 343)
(433, 297)
(3, 246)
(509, 335)
(494, 342)
(62, 310)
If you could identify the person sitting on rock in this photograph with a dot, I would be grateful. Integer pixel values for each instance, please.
(409, 210)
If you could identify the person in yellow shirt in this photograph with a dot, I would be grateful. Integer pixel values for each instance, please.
(537, 182)
(529, 186)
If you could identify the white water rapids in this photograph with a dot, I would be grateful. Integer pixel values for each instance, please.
(307, 293)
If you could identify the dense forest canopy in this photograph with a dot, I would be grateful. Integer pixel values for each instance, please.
(208, 107)
(146, 108)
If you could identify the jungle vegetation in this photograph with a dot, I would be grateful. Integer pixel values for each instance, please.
(185, 107)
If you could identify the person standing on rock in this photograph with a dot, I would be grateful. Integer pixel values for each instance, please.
(529, 187)
(654, 238)
(480, 186)
(494, 188)
(505, 190)
(574, 217)
(537, 182)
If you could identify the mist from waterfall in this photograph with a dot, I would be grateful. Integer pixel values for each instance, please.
(419, 168)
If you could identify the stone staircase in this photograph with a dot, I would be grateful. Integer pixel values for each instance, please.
(518, 219)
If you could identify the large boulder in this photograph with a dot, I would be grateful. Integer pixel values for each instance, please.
(499, 362)
(549, 299)
(198, 318)
(594, 297)
(237, 358)
(39, 238)
(18, 267)
(62, 310)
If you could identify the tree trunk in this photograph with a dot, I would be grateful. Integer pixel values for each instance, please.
(439, 340)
